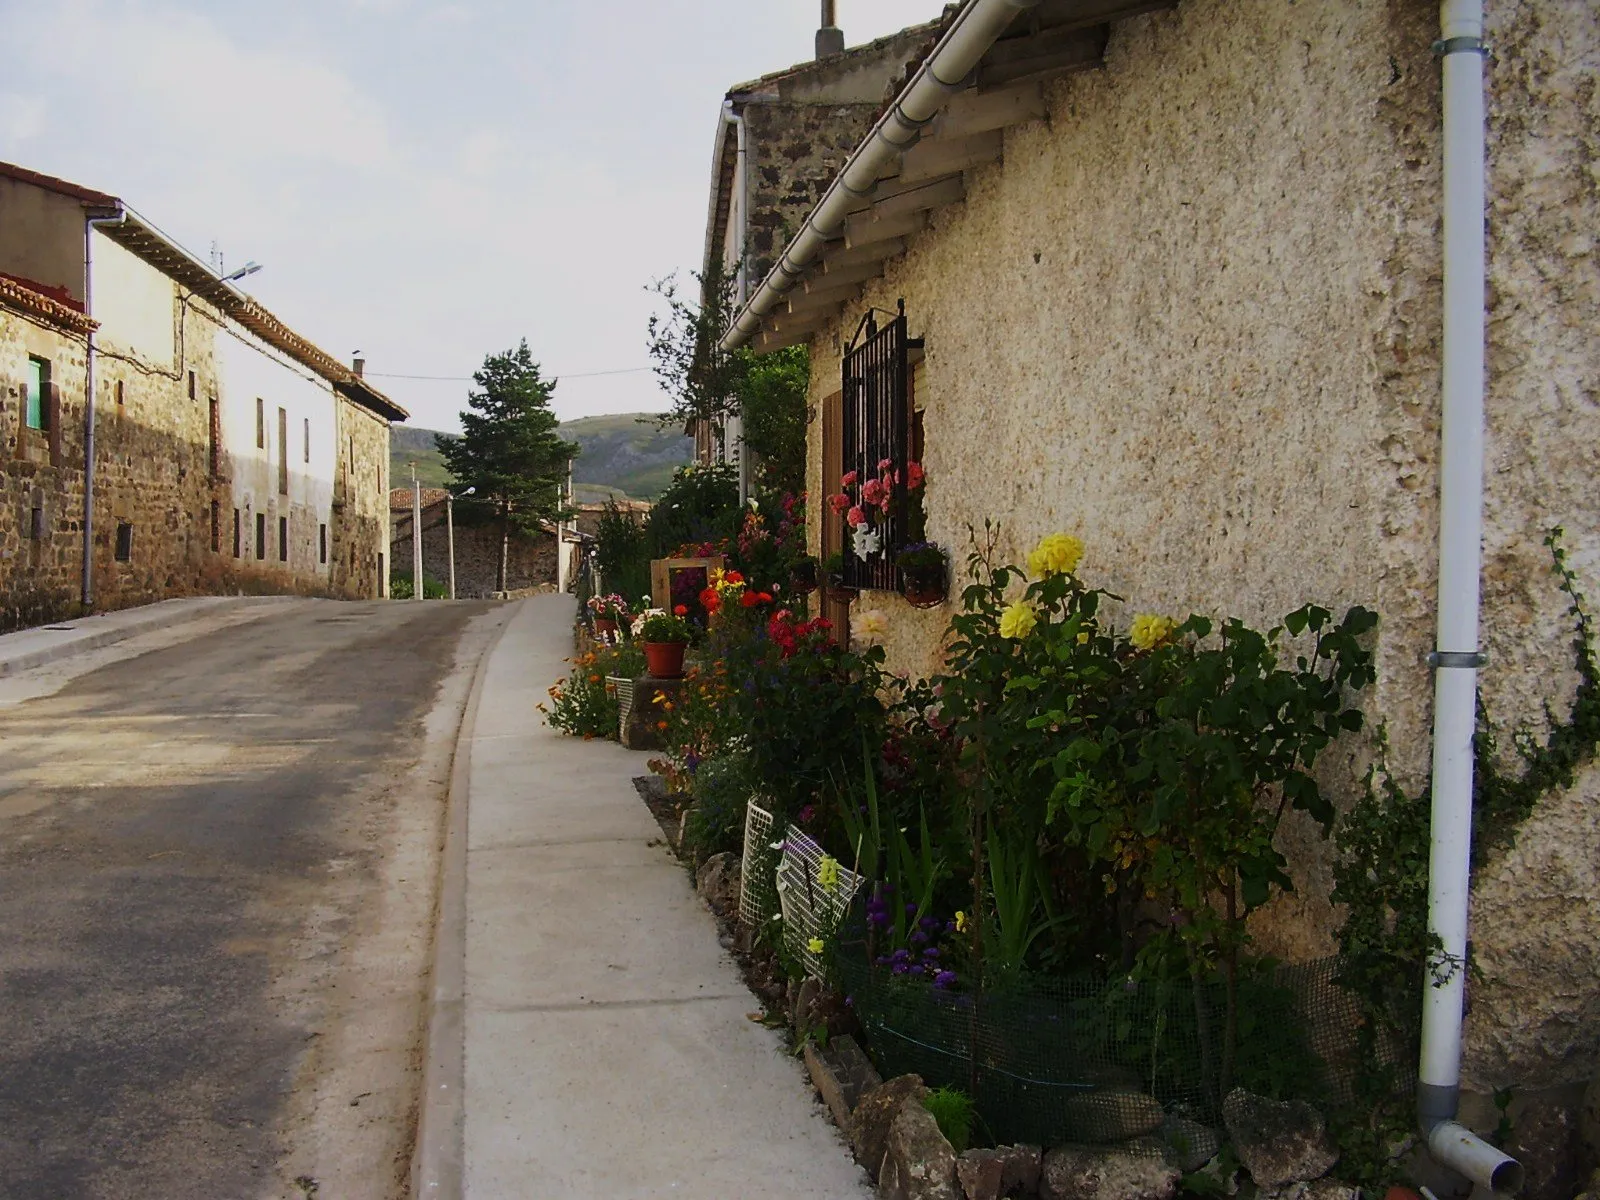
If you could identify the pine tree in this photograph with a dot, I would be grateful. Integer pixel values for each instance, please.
(509, 450)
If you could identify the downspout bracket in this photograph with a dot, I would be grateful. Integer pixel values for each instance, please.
(1457, 659)
(1460, 45)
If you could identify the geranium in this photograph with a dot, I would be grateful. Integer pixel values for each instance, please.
(1018, 620)
(915, 477)
(849, 479)
(839, 503)
(872, 491)
(1056, 554)
(710, 600)
(857, 516)
(750, 599)
(680, 610)
(1150, 630)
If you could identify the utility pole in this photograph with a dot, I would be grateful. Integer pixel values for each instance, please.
(450, 537)
(416, 534)
(561, 538)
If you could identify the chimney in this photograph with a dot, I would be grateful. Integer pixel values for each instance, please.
(358, 364)
(830, 38)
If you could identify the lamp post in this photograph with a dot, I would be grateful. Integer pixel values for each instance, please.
(450, 533)
(416, 534)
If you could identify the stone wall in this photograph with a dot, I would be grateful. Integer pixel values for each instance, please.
(361, 505)
(530, 559)
(1194, 317)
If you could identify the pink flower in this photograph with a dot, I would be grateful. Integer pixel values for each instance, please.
(872, 491)
(885, 463)
(839, 503)
(914, 476)
(856, 517)
(849, 480)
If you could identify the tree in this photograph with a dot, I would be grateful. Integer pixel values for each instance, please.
(509, 450)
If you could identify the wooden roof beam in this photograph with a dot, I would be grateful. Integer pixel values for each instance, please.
(934, 157)
(871, 252)
(978, 112)
(1052, 52)
(866, 228)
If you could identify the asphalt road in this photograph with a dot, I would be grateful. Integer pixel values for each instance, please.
(216, 873)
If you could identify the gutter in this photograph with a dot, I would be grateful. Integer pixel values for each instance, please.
(1457, 658)
(975, 29)
(120, 216)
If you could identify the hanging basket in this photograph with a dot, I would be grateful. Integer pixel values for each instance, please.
(925, 588)
(664, 660)
(804, 578)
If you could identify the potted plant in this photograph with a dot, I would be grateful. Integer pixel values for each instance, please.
(665, 637)
(803, 579)
(833, 567)
(607, 612)
(923, 574)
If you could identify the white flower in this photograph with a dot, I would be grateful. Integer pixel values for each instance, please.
(870, 626)
(867, 543)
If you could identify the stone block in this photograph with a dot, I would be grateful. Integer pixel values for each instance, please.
(1278, 1141)
(842, 1074)
(871, 1118)
(1001, 1171)
(1099, 1173)
(1112, 1116)
(918, 1163)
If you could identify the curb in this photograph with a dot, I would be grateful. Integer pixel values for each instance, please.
(437, 1162)
(110, 637)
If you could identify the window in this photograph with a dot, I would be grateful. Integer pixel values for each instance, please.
(283, 539)
(261, 423)
(261, 535)
(216, 527)
(38, 399)
(215, 436)
(322, 544)
(124, 542)
(36, 523)
(382, 578)
(238, 542)
(120, 396)
(876, 427)
(308, 440)
(192, 387)
(283, 453)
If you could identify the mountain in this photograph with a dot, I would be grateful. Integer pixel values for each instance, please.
(624, 453)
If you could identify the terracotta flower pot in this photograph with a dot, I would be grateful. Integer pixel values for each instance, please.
(604, 625)
(664, 660)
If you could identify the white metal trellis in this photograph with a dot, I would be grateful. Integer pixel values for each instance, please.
(812, 899)
(624, 689)
(756, 867)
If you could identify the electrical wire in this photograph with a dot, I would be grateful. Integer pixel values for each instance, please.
(468, 378)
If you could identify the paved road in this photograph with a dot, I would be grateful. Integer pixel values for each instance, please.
(217, 864)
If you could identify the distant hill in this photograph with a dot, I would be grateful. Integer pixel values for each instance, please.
(626, 453)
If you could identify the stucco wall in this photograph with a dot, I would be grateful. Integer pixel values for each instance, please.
(41, 237)
(1193, 317)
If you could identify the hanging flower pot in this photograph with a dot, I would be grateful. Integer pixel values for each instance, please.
(664, 660)
(924, 575)
(804, 577)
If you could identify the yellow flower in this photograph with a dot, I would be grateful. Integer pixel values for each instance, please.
(814, 945)
(870, 626)
(828, 873)
(1083, 638)
(961, 922)
(1150, 630)
(1017, 621)
(1056, 554)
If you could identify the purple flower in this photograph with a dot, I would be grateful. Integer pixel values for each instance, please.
(919, 938)
(900, 969)
(807, 813)
(944, 979)
(883, 960)
(931, 952)
(911, 909)
(901, 955)
(917, 970)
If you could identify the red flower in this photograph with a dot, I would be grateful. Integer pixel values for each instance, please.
(733, 577)
(914, 476)
(839, 503)
(849, 480)
(750, 599)
(710, 601)
(680, 610)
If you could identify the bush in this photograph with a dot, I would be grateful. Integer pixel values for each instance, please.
(700, 505)
(623, 553)
(582, 705)
(400, 587)
(721, 790)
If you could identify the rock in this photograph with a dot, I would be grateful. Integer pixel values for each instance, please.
(804, 999)
(1189, 1145)
(717, 881)
(1278, 1141)
(842, 1074)
(1317, 1189)
(1094, 1173)
(1112, 1116)
(875, 1113)
(1003, 1171)
(1591, 1190)
(1546, 1140)
(918, 1163)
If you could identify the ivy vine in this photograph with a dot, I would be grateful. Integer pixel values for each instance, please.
(1382, 878)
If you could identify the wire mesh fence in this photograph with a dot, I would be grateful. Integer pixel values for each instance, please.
(814, 891)
(758, 894)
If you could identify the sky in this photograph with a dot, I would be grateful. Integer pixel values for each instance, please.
(424, 181)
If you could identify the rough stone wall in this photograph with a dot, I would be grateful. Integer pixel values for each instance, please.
(530, 560)
(794, 150)
(1194, 317)
(360, 534)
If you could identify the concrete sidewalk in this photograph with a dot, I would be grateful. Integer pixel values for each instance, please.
(607, 1048)
(29, 648)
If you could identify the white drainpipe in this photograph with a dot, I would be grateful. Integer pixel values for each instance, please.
(738, 214)
(1456, 658)
(87, 581)
(976, 28)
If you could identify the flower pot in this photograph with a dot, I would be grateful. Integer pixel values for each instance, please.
(925, 588)
(839, 587)
(604, 627)
(664, 660)
(804, 579)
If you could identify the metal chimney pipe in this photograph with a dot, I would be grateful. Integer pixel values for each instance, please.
(830, 38)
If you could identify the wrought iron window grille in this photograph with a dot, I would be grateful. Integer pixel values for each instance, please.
(877, 428)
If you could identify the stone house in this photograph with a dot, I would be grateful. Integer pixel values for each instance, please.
(530, 558)
(225, 452)
(780, 141)
(1173, 280)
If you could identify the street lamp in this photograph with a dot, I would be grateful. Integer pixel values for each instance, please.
(250, 268)
(450, 532)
